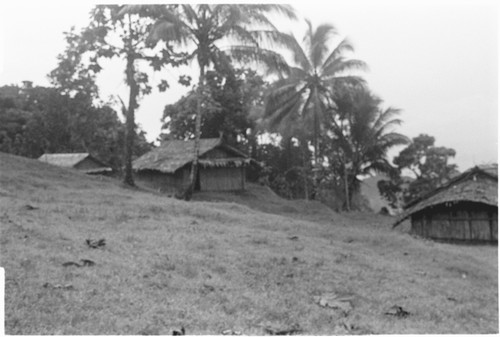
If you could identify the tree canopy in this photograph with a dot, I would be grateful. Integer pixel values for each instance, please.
(297, 106)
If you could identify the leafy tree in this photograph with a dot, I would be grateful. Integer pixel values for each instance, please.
(37, 120)
(428, 163)
(203, 29)
(283, 170)
(113, 33)
(299, 102)
(393, 190)
(361, 137)
(227, 109)
(73, 74)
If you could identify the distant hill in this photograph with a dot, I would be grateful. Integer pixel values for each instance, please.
(370, 191)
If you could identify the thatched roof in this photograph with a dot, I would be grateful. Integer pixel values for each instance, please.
(478, 184)
(174, 154)
(63, 159)
(71, 160)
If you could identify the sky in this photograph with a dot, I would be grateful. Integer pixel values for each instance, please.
(436, 60)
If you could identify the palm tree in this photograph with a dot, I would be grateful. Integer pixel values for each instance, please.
(215, 35)
(362, 136)
(300, 100)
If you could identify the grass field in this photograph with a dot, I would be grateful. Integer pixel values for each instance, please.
(247, 262)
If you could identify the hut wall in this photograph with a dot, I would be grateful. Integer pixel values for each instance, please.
(87, 164)
(222, 179)
(458, 221)
(162, 182)
(417, 226)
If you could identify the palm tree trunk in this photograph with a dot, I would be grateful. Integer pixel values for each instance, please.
(315, 141)
(316, 126)
(197, 135)
(303, 145)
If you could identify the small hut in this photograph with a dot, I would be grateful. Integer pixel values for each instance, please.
(83, 162)
(464, 209)
(167, 168)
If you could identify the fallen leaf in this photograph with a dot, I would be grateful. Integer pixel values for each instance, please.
(397, 311)
(335, 301)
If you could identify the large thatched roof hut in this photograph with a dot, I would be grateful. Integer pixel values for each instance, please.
(81, 161)
(465, 208)
(167, 167)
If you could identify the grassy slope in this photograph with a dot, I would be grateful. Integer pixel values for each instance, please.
(211, 266)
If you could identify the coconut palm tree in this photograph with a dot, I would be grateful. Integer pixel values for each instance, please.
(216, 35)
(362, 136)
(300, 100)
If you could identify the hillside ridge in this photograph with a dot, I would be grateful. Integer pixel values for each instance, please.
(235, 263)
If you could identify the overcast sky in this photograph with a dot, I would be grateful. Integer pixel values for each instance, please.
(435, 60)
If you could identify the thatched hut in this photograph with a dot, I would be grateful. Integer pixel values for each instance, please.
(167, 167)
(83, 162)
(464, 209)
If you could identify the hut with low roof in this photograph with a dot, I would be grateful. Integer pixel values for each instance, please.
(167, 168)
(464, 209)
(83, 162)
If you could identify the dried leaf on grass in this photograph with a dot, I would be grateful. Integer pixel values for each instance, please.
(397, 311)
(95, 243)
(58, 286)
(29, 207)
(283, 331)
(231, 332)
(335, 301)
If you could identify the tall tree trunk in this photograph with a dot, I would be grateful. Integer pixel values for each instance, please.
(316, 126)
(197, 135)
(305, 164)
(130, 121)
(315, 141)
(347, 194)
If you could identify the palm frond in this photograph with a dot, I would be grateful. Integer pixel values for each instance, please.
(319, 44)
(341, 81)
(271, 62)
(341, 65)
(338, 51)
(387, 116)
(299, 56)
(287, 110)
(170, 28)
(278, 97)
(239, 34)
(227, 18)
(190, 14)
(380, 166)
(283, 10)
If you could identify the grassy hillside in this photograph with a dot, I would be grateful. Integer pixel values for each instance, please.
(249, 262)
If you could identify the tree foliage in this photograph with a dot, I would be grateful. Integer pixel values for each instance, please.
(215, 36)
(113, 33)
(227, 108)
(429, 164)
(326, 127)
(361, 136)
(283, 168)
(38, 120)
(298, 103)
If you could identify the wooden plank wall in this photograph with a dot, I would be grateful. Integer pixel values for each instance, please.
(161, 182)
(464, 221)
(222, 179)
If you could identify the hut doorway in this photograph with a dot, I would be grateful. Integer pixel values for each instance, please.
(197, 180)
